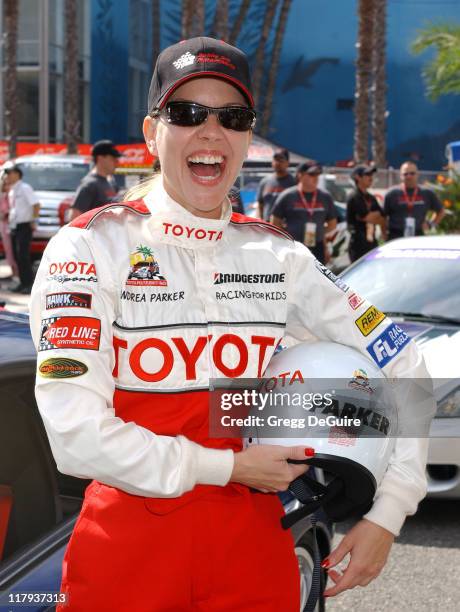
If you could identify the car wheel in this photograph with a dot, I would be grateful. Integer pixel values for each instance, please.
(149, 275)
(305, 559)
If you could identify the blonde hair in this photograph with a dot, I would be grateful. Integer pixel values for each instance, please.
(140, 190)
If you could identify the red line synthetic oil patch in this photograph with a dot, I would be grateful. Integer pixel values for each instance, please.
(70, 332)
(61, 367)
(68, 300)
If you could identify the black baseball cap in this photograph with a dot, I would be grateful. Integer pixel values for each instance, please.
(281, 155)
(309, 166)
(105, 147)
(363, 171)
(13, 168)
(198, 57)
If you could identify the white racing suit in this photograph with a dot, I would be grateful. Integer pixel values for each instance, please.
(135, 307)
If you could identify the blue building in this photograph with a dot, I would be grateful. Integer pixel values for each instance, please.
(313, 109)
(312, 112)
(115, 61)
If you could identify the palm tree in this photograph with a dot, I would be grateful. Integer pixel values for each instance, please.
(156, 21)
(187, 18)
(271, 85)
(199, 21)
(379, 88)
(11, 79)
(236, 29)
(193, 18)
(145, 251)
(259, 64)
(220, 24)
(71, 77)
(363, 79)
(442, 74)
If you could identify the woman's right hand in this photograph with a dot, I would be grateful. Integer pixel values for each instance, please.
(265, 467)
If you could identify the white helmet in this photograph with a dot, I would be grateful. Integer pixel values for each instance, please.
(346, 411)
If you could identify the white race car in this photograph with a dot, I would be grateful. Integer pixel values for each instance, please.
(416, 281)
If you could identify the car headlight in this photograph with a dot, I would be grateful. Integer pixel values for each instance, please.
(450, 405)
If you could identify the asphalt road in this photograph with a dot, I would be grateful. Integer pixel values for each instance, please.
(423, 571)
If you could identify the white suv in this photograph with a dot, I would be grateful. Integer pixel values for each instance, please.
(55, 179)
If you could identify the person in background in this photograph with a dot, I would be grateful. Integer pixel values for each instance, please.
(407, 205)
(98, 187)
(4, 228)
(234, 197)
(363, 214)
(306, 211)
(273, 184)
(24, 208)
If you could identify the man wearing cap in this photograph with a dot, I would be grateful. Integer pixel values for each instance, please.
(306, 211)
(24, 208)
(407, 205)
(98, 187)
(273, 184)
(363, 214)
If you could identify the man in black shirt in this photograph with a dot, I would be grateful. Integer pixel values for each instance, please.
(236, 201)
(306, 211)
(363, 214)
(98, 187)
(407, 205)
(271, 186)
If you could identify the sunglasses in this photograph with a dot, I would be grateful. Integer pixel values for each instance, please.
(409, 173)
(191, 114)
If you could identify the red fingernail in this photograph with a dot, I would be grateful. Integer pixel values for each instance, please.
(325, 564)
(309, 452)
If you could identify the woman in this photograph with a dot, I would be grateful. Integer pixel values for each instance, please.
(4, 227)
(162, 294)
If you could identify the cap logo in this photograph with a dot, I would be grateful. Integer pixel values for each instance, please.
(184, 60)
(213, 58)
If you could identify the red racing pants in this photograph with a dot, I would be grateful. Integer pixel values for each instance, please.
(215, 549)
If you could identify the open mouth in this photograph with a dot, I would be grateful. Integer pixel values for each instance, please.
(206, 168)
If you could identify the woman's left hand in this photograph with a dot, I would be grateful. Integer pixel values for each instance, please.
(369, 546)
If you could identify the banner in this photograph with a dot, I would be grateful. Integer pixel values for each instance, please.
(133, 155)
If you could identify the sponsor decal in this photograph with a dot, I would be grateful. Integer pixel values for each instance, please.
(197, 233)
(70, 332)
(342, 437)
(331, 276)
(130, 296)
(68, 300)
(187, 59)
(215, 59)
(61, 367)
(154, 359)
(250, 295)
(387, 345)
(369, 320)
(144, 269)
(360, 381)
(66, 271)
(220, 279)
(355, 301)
